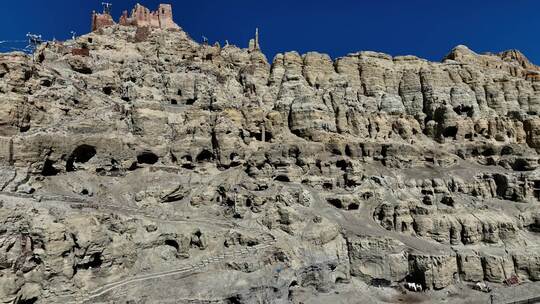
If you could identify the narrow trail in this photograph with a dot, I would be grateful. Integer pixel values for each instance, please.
(360, 222)
(187, 269)
(77, 202)
(266, 241)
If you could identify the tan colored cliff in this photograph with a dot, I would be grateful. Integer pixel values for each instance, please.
(151, 167)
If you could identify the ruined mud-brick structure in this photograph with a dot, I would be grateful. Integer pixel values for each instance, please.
(140, 17)
(101, 20)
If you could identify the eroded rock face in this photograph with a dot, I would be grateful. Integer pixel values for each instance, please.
(378, 259)
(152, 156)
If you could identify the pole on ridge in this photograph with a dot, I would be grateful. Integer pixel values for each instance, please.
(106, 7)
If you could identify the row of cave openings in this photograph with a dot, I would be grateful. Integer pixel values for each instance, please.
(84, 153)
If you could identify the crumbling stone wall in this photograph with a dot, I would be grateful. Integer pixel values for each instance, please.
(100, 21)
(140, 17)
(143, 17)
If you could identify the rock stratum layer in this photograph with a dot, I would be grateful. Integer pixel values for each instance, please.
(139, 165)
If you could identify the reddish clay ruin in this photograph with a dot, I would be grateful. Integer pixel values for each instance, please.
(101, 20)
(140, 17)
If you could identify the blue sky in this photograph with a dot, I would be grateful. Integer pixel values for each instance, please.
(426, 28)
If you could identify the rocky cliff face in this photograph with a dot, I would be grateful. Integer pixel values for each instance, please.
(138, 165)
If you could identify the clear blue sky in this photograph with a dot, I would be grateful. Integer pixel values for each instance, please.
(426, 28)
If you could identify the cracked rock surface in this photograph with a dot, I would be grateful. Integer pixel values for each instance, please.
(160, 170)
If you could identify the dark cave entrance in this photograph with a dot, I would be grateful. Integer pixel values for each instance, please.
(95, 261)
(173, 244)
(205, 156)
(107, 90)
(450, 132)
(521, 165)
(147, 157)
(464, 110)
(81, 154)
(380, 282)
(417, 274)
(418, 277)
(27, 301)
(537, 189)
(507, 150)
(49, 169)
(342, 164)
(282, 178)
(353, 206)
(336, 202)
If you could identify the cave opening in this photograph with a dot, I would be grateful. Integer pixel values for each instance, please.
(205, 156)
(173, 244)
(328, 186)
(380, 282)
(507, 150)
(450, 132)
(235, 159)
(147, 157)
(348, 151)
(49, 169)
(537, 189)
(488, 152)
(448, 201)
(417, 276)
(534, 227)
(521, 164)
(187, 162)
(107, 90)
(27, 301)
(259, 136)
(342, 164)
(282, 178)
(24, 128)
(46, 82)
(336, 151)
(234, 300)
(464, 110)
(336, 202)
(353, 206)
(95, 261)
(367, 195)
(81, 155)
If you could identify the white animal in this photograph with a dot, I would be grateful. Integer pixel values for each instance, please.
(483, 287)
(413, 287)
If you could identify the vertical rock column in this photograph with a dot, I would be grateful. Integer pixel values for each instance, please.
(6, 150)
